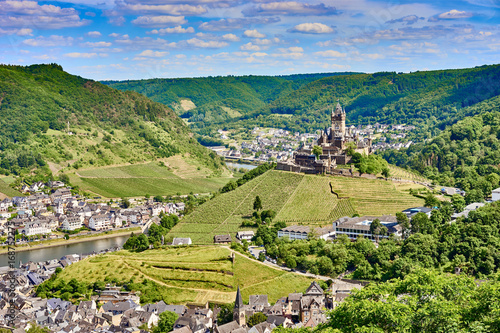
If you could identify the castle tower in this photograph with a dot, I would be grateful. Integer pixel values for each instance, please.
(239, 310)
(338, 121)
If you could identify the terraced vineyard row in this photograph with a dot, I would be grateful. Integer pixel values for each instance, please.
(312, 201)
(343, 208)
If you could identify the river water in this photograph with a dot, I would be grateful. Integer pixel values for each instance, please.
(57, 252)
(239, 165)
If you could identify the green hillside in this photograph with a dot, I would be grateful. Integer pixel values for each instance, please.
(218, 99)
(466, 154)
(39, 103)
(386, 97)
(297, 199)
(181, 275)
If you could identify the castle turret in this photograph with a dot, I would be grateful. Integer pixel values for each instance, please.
(338, 121)
(239, 310)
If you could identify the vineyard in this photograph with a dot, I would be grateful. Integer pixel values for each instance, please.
(397, 172)
(297, 199)
(189, 274)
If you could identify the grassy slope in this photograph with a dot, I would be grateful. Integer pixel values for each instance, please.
(179, 285)
(178, 176)
(109, 126)
(7, 190)
(297, 199)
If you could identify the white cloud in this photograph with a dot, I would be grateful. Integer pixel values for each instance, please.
(330, 54)
(177, 9)
(24, 32)
(312, 28)
(152, 54)
(374, 56)
(94, 34)
(294, 52)
(253, 34)
(250, 47)
(454, 14)
(80, 55)
(51, 41)
(231, 38)
(289, 8)
(96, 44)
(213, 44)
(158, 21)
(22, 14)
(232, 24)
(176, 30)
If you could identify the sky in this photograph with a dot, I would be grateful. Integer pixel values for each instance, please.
(132, 39)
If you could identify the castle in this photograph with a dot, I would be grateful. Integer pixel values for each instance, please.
(334, 142)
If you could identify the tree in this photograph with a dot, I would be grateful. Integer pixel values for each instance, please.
(375, 228)
(66, 237)
(257, 204)
(403, 220)
(125, 203)
(225, 314)
(458, 202)
(386, 172)
(166, 322)
(317, 151)
(431, 201)
(256, 318)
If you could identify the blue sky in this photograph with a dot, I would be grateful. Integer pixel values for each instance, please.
(132, 39)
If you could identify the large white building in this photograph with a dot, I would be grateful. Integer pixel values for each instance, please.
(354, 227)
(35, 228)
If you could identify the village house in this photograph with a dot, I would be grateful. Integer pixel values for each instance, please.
(222, 239)
(245, 235)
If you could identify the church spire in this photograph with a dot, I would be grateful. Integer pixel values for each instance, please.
(238, 304)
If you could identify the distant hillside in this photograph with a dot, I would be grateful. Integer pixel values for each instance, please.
(301, 102)
(219, 99)
(297, 199)
(39, 103)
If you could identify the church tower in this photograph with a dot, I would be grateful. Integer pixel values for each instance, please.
(338, 121)
(239, 309)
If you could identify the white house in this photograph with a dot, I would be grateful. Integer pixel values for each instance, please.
(35, 228)
(495, 194)
(247, 235)
(99, 222)
(71, 223)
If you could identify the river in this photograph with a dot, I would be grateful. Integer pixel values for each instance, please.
(239, 165)
(57, 252)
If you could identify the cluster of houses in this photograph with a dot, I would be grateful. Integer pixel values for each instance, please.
(41, 213)
(297, 310)
(272, 144)
(114, 310)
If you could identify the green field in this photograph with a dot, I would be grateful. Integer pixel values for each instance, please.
(6, 189)
(150, 178)
(297, 199)
(215, 277)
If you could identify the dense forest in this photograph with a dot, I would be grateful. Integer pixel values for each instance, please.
(465, 155)
(424, 301)
(39, 103)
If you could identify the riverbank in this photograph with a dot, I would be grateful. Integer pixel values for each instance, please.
(74, 240)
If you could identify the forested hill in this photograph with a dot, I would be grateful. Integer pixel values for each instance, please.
(38, 103)
(300, 102)
(466, 154)
(219, 99)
